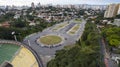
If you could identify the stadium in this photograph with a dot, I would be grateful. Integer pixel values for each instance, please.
(15, 54)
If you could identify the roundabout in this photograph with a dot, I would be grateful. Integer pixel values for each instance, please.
(50, 40)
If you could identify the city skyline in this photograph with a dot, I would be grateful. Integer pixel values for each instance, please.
(55, 2)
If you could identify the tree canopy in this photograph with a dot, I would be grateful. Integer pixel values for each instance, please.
(112, 35)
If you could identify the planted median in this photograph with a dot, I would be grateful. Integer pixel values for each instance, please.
(60, 26)
(74, 29)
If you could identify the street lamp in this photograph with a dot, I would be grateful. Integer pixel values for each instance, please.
(29, 43)
(13, 33)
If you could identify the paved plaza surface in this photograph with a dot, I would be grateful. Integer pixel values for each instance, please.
(67, 38)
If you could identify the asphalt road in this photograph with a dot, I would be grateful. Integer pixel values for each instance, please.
(106, 56)
(44, 51)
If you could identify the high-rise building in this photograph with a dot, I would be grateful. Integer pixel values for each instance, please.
(111, 10)
(7, 7)
(33, 5)
(39, 5)
(118, 10)
(58, 6)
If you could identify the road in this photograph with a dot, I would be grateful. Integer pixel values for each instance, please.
(50, 52)
(106, 54)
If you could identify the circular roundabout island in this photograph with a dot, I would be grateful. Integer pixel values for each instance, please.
(50, 40)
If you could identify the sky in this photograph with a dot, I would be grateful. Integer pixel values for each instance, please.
(54, 2)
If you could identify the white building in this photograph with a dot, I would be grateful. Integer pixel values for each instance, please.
(17, 16)
(117, 22)
(32, 24)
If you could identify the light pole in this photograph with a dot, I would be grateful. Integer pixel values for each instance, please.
(29, 43)
(13, 33)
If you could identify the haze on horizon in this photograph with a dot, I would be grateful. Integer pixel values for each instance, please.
(54, 2)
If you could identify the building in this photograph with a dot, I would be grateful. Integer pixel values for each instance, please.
(39, 5)
(119, 9)
(17, 16)
(33, 5)
(111, 10)
(116, 22)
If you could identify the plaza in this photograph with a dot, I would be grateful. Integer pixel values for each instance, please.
(48, 47)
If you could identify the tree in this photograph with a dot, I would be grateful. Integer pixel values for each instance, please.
(114, 42)
(19, 23)
(118, 16)
(112, 35)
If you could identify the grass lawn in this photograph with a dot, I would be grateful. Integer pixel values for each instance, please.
(74, 29)
(7, 51)
(78, 20)
(50, 39)
(60, 26)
